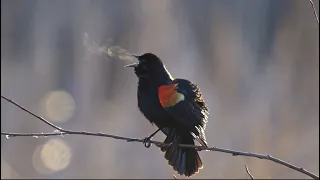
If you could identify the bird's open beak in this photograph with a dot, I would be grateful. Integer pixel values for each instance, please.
(134, 64)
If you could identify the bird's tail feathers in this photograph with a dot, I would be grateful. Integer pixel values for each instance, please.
(186, 161)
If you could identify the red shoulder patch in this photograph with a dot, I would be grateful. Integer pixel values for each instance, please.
(168, 96)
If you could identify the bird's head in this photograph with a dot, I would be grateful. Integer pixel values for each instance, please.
(151, 67)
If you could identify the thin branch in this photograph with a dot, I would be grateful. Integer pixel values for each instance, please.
(247, 169)
(62, 131)
(314, 11)
(33, 114)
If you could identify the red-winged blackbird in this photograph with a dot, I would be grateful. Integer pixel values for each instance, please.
(176, 107)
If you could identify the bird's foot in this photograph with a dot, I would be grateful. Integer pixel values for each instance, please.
(147, 142)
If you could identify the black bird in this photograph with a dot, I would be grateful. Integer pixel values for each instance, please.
(176, 107)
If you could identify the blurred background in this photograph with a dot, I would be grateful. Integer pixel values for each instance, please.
(255, 61)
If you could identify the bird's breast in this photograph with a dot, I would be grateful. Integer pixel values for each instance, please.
(149, 105)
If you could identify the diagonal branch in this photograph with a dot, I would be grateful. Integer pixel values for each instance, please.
(60, 132)
(248, 172)
(314, 11)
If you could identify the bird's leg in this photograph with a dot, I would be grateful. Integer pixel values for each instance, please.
(146, 141)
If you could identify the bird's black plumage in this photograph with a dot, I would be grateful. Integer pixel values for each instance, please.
(176, 107)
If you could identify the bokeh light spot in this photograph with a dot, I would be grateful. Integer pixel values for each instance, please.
(59, 106)
(55, 155)
(38, 164)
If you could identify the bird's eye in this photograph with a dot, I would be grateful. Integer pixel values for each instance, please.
(143, 60)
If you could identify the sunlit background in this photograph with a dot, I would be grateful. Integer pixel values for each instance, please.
(255, 61)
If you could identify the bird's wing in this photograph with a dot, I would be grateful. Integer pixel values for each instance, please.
(183, 101)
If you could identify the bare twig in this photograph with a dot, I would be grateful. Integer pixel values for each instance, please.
(175, 177)
(314, 11)
(247, 169)
(62, 131)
